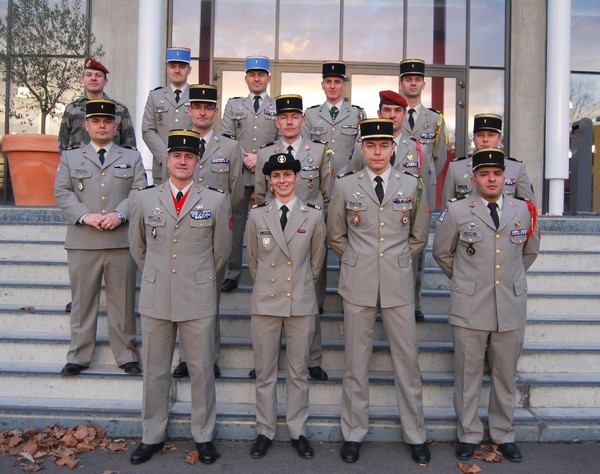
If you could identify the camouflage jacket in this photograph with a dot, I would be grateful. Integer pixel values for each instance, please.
(72, 133)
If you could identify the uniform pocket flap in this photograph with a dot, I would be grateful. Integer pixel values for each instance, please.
(349, 259)
(463, 286)
(149, 275)
(204, 276)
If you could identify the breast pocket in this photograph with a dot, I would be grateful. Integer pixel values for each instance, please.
(471, 242)
(160, 112)
(349, 130)
(355, 212)
(155, 230)
(80, 180)
(239, 118)
(201, 231)
(309, 172)
(402, 212)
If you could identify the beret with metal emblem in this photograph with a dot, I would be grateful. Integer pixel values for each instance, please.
(179, 55)
(257, 63)
(203, 93)
(90, 63)
(183, 140)
(392, 98)
(100, 108)
(376, 128)
(334, 69)
(492, 122)
(281, 161)
(488, 157)
(412, 67)
(289, 103)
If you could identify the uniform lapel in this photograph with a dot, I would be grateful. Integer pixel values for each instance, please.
(274, 225)
(392, 186)
(113, 155)
(193, 197)
(365, 183)
(344, 112)
(325, 114)
(295, 220)
(166, 198)
(169, 96)
(90, 154)
(249, 103)
(212, 147)
(481, 211)
(508, 212)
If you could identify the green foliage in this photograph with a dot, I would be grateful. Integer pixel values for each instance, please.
(42, 48)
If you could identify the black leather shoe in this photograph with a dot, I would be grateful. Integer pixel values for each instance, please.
(317, 373)
(229, 285)
(252, 374)
(303, 447)
(350, 451)
(465, 451)
(131, 368)
(260, 446)
(68, 307)
(144, 452)
(510, 451)
(419, 316)
(207, 453)
(217, 371)
(181, 371)
(420, 453)
(72, 369)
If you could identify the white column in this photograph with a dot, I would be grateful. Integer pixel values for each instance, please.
(150, 61)
(558, 76)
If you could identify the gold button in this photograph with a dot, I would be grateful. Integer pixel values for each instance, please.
(288, 279)
(497, 282)
(497, 267)
(102, 185)
(381, 209)
(103, 173)
(288, 295)
(103, 211)
(289, 264)
(174, 255)
(381, 224)
(271, 295)
(210, 277)
(174, 271)
(470, 240)
(381, 240)
(177, 226)
(497, 236)
(381, 255)
(272, 280)
(201, 225)
(174, 241)
(404, 208)
(103, 198)
(273, 265)
(497, 250)
(199, 167)
(200, 180)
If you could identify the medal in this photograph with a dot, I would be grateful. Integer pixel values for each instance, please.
(404, 218)
(310, 184)
(80, 185)
(470, 250)
(356, 219)
(153, 232)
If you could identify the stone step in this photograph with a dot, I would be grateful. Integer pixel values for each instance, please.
(32, 232)
(36, 251)
(567, 241)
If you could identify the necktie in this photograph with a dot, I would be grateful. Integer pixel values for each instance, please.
(283, 218)
(290, 150)
(256, 103)
(411, 119)
(179, 196)
(101, 153)
(379, 188)
(334, 112)
(494, 213)
(202, 148)
(177, 94)
(393, 159)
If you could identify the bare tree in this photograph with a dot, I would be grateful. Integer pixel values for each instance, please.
(585, 99)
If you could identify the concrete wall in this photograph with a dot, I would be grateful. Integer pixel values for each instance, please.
(528, 88)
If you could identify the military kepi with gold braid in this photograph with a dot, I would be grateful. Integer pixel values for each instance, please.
(289, 103)
(412, 67)
(492, 122)
(203, 93)
(100, 108)
(183, 140)
(488, 157)
(376, 129)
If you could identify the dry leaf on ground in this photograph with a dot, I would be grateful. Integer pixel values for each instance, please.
(468, 469)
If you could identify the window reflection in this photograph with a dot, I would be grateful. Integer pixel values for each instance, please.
(365, 91)
(585, 24)
(486, 95)
(585, 97)
(308, 85)
(487, 33)
(379, 38)
(244, 28)
(186, 25)
(309, 31)
(419, 35)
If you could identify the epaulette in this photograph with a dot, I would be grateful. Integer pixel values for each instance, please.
(232, 98)
(460, 158)
(267, 144)
(148, 186)
(156, 88)
(262, 204)
(129, 147)
(357, 106)
(322, 142)
(215, 189)
(435, 110)
(414, 175)
(314, 206)
(228, 135)
(347, 173)
(75, 147)
(454, 199)
(313, 106)
(513, 159)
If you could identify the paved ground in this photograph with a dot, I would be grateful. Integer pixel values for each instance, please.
(376, 457)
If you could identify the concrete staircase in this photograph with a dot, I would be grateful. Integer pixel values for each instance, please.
(559, 381)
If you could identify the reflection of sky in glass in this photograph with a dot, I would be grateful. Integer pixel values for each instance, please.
(308, 85)
(186, 25)
(419, 42)
(379, 38)
(487, 33)
(309, 31)
(486, 94)
(456, 28)
(365, 91)
(244, 28)
(585, 25)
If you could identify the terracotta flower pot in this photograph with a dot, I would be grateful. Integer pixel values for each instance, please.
(32, 161)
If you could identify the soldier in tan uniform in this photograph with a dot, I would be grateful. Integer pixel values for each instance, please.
(487, 132)
(92, 188)
(180, 240)
(286, 248)
(251, 121)
(377, 224)
(166, 109)
(484, 244)
(335, 121)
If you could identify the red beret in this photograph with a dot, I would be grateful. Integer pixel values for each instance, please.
(392, 98)
(93, 64)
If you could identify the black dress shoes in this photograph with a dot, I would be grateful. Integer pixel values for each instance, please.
(229, 285)
(419, 316)
(317, 373)
(144, 452)
(252, 373)
(217, 371)
(131, 368)
(303, 447)
(207, 453)
(465, 451)
(420, 453)
(181, 371)
(260, 446)
(72, 369)
(68, 307)
(510, 451)
(350, 451)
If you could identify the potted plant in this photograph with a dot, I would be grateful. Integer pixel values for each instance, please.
(42, 47)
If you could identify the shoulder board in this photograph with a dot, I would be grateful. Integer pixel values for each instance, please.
(460, 158)
(322, 142)
(347, 173)
(520, 198)
(513, 159)
(357, 106)
(233, 98)
(259, 205)
(156, 88)
(228, 135)
(149, 186)
(75, 147)
(129, 147)
(314, 206)
(215, 189)
(267, 144)
(313, 106)
(454, 199)
(435, 110)
(414, 175)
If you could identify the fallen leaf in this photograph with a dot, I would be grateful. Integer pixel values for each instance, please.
(468, 469)
(110, 472)
(27, 308)
(69, 441)
(84, 448)
(14, 441)
(191, 457)
(167, 447)
(31, 467)
(116, 447)
(31, 446)
(69, 461)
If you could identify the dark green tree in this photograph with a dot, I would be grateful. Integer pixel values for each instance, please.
(41, 49)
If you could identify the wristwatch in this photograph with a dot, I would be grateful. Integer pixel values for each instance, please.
(122, 217)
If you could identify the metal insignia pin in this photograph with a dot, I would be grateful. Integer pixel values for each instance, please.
(472, 226)
(357, 196)
(199, 206)
(518, 224)
(156, 211)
